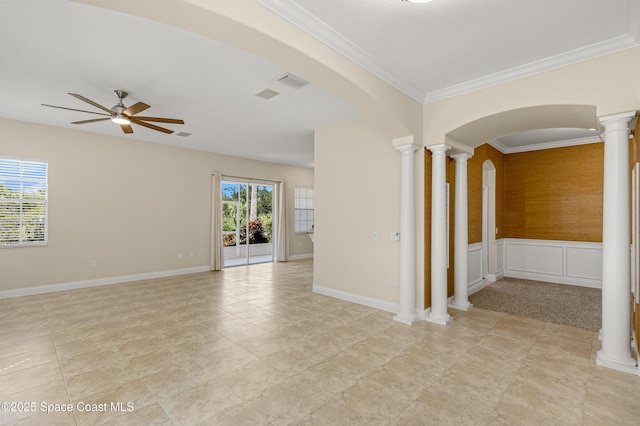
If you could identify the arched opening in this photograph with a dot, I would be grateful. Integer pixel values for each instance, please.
(533, 215)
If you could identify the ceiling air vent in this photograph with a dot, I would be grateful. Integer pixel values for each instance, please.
(267, 94)
(293, 81)
(183, 134)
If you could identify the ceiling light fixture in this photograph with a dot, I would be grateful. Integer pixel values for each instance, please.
(120, 119)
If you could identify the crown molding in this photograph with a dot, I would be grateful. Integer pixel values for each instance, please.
(304, 20)
(547, 64)
(545, 145)
(317, 28)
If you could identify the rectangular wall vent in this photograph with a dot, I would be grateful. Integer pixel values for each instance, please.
(293, 81)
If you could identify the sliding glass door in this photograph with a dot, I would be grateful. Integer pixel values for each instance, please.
(247, 222)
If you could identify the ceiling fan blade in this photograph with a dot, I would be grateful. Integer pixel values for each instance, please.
(161, 120)
(126, 128)
(73, 109)
(90, 102)
(150, 126)
(91, 121)
(135, 108)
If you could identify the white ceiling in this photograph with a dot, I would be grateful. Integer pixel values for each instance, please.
(429, 51)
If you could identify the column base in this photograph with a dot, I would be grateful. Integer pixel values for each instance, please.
(626, 365)
(406, 319)
(438, 319)
(460, 306)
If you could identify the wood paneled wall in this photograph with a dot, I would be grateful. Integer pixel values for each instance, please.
(474, 187)
(427, 228)
(555, 194)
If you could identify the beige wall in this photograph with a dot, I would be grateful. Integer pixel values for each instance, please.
(610, 83)
(357, 179)
(131, 206)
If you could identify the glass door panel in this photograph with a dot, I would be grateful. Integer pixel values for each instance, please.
(260, 223)
(247, 223)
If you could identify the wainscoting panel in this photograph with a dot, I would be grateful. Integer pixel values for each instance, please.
(500, 258)
(474, 267)
(537, 258)
(584, 262)
(563, 262)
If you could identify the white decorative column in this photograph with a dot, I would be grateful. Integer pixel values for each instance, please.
(407, 314)
(616, 291)
(461, 236)
(438, 311)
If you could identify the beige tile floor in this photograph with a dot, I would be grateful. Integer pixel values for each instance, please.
(254, 345)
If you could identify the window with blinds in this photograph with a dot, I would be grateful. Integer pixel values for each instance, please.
(23, 202)
(303, 208)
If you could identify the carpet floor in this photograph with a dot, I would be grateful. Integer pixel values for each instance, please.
(557, 303)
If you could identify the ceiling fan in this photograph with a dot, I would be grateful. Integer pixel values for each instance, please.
(122, 115)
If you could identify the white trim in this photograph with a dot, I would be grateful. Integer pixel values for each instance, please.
(553, 62)
(52, 288)
(307, 22)
(356, 298)
(616, 365)
(545, 145)
(301, 256)
(493, 278)
(477, 286)
(304, 20)
(567, 262)
(474, 263)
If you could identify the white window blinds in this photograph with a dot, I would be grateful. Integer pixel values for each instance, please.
(303, 207)
(23, 202)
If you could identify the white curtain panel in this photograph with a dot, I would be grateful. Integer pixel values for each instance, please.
(216, 223)
(280, 237)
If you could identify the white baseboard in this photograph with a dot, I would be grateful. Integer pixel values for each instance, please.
(476, 287)
(356, 298)
(549, 278)
(301, 256)
(52, 288)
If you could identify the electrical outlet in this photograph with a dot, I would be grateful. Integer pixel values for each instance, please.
(374, 235)
(94, 263)
(192, 254)
(393, 281)
(180, 256)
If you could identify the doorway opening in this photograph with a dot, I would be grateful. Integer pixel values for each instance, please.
(247, 222)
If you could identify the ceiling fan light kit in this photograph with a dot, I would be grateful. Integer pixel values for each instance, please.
(122, 115)
(118, 119)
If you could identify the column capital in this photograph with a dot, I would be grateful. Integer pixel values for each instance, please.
(623, 117)
(408, 147)
(462, 156)
(440, 148)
